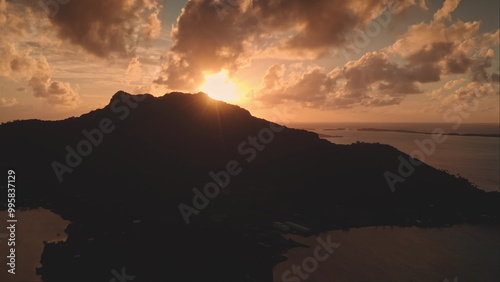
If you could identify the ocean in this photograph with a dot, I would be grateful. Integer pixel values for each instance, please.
(476, 158)
(449, 254)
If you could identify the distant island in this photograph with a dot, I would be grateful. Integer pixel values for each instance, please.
(322, 135)
(421, 132)
(334, 129)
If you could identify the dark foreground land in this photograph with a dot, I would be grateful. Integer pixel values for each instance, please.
(130, 196)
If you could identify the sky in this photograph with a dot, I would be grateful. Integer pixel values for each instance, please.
(312, 61)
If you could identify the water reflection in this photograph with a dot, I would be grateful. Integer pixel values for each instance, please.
(33, 227)
(469, 252)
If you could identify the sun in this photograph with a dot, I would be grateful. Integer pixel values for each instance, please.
(219, 87)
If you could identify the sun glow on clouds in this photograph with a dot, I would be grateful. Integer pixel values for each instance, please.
(218, 86)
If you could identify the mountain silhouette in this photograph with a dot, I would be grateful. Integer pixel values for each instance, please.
(184, 188)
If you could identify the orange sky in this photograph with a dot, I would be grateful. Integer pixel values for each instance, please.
(321, 61)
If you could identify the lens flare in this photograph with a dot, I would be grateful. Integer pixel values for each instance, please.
(219, 87)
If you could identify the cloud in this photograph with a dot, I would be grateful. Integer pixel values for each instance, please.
(425, 53)
(439, 93)
(445, 12)
(468, 98)
(15, 26)
(205, 42)
(53, 92)
(134, 70)
(16, 18)
(105, 28)
(21, 22)
(370, 81)
(453, 83)
(310, 88)
(16, 62)
(3, 12)
(457, 48)
(273, 77)
(19, 64)
(8, 102)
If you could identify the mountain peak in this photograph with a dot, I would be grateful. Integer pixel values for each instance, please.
(194, 103)
(120, 94)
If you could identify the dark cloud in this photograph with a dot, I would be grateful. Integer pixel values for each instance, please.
(458, 63)
(310, 89)
(495, 77)
(107, 27)
(479, 69)
(370, 81)
(431, 53)
(375, 67)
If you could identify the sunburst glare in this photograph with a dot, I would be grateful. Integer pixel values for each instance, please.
(218, 86)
